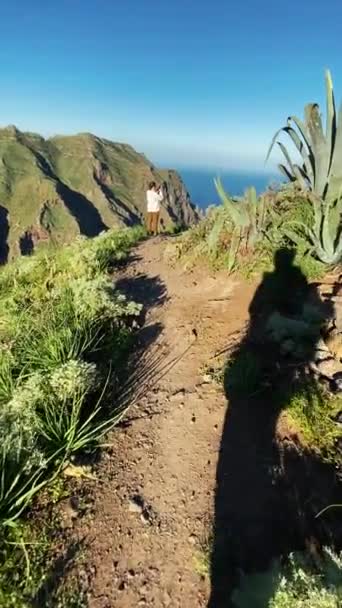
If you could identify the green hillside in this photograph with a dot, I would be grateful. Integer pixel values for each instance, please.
(55, 189)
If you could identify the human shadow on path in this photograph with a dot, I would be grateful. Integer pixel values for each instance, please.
(268, 492)
(150, 291)
(146, 360)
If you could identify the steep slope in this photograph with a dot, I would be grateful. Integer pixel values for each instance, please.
(53, 189)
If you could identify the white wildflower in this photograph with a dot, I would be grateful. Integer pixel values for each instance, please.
(95, 298)
(19, 423)
(74, 377)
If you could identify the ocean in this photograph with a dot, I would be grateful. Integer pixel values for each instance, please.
(200, 184)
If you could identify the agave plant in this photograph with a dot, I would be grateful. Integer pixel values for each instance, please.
(325, 236)
(320, 152)
(247, 219)
(319, 172)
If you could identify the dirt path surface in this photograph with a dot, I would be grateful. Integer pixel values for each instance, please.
(158, 480)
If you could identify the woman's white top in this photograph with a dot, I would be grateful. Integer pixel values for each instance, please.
(153, 200)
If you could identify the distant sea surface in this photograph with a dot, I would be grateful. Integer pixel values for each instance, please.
(200, 184)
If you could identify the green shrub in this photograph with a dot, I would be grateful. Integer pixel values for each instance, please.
(26, 565)
(243, 375)
(23, 554)
(63, 329)
(212, 241)
(297, 583)
(311, 411)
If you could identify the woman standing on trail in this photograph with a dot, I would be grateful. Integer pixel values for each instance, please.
(154, 196)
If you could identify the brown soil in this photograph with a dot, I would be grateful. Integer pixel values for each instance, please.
(155, 497)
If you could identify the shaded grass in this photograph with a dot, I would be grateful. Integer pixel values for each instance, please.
(202, 554)
(31, 576)
(311, 410)
(23, 556)
(297, 582)
(308, 407)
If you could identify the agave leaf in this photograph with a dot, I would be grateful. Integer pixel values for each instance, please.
(296, 237)
(287, 157)
(261, 218)
(335, 223)
(233, 250)
(331, 117)
(318, 215)
(237, 211)
(336, 161)
(251, 196)
(273, 142)
(251, 207)
(320, 147)
(314, 124)
(284, 170)
(300, 176)
(215, 232)
(306, 229)
(304, 133)
(307, 161)
(327, 239)
(302, 128)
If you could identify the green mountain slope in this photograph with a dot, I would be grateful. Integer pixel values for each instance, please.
(54, 189)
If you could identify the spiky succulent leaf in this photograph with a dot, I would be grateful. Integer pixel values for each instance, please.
(284, 170)
(236, 210)
(321, 148)
(233, 249)
(336, 162)
(287, 157)
(308, 163)
(331, 116)
(215, 233)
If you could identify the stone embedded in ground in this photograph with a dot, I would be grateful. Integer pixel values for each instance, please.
(69, 512)
(321, 351)
(166, 598)
(136, 504)
(338, 312)
(329, 367)
(172, 252)
(178, 395)
(337, 380)
(207, 378)
(145, 517)
(334, 343)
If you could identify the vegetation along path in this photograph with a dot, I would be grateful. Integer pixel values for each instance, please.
(183, 466)
(144, 533)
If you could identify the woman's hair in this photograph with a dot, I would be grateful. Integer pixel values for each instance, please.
(151, 185)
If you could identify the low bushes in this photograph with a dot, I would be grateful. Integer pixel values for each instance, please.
(249, 249)
(63, 330)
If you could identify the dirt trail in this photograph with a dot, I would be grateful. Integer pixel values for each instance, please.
(158, 480)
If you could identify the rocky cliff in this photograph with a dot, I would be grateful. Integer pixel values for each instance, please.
(57, 188)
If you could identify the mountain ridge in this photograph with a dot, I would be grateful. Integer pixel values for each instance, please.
(52, 189)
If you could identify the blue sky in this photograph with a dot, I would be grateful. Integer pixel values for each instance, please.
(190, 83)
